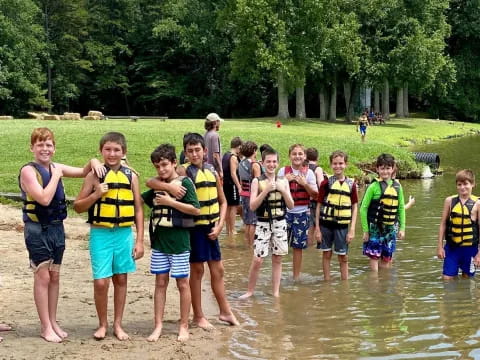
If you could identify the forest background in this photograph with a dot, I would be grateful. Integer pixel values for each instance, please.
(240, 58)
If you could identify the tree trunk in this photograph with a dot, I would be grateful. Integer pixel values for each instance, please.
(300, 103)
(282, 98)
(49, 65)
(323, 99)
(376, 101)
(406, 112)
(332, 116)
(399, 110)
(351, 93)
(386, 100)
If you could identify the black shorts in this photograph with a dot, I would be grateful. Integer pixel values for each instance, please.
(45, 243)
(231, 194)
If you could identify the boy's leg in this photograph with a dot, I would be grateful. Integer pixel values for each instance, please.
(218, 288)
(297, 263)
(276, 274)
(119, 299)
(231, 216)
(100, 294)
(53, 291)
(185, 302)
(326, 259)
(253, 276)
(374, 265)
(196, 275)
(161, 284)
(343, 260)
(298, 234)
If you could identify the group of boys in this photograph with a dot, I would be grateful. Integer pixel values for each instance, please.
(291, 206)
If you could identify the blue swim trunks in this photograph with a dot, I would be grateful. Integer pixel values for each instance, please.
(459, 257)
(111, 251)
(363, 130)
(382, 242)
(201, 247)
(297, 229)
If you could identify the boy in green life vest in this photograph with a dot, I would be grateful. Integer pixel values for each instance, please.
(114, 204)
(382, 208)
(459, 227)
(170, 221)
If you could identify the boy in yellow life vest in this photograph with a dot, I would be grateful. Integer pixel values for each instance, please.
(270, 197)
(170, 221)
(44, 209)
(204, 244)
(459, 227)
(382, 208)
(114, 204)
(336, 215)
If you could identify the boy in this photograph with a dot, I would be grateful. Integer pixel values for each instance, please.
(204, 236)
(212, 142)
(382, 207)
(270, 198)
(170, 238)
(362, 126)
(114, 204)
(303, 186)
(231, 183)
(312, 163)
(248, 169)
(459, 227)
(44, 210)
(337, 212)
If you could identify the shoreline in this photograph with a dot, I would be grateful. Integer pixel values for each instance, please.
(76, 309)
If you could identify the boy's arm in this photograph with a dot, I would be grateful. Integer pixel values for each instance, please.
(442, 227)
(233, 172)
(256, 198)
(190, 204)
(287, 196)
(217, 160)
(76, 172)
(353, 222)
(223, 210)
(256, 169)
(401, 214)
(367, 198)
(90, 192)
(138, 204)
(30, 184)
(476, 259)
(156, 183)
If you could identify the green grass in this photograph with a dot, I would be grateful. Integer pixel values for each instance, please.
(77, 141)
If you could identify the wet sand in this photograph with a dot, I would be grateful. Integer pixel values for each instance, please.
(76, 310)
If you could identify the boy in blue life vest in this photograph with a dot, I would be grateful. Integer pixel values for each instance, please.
(303, 186)
(382, 207)
(336, 215)
(204, 244)
(114, 204)
(170, 221)
(459, 226)
(44, 209)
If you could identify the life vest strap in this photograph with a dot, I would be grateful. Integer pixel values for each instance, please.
(113, 220)
(205, 184)
(207, 216)
(208, 202)
(119, 186)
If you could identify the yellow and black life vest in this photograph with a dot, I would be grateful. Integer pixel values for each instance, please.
(337, 204)
(116, 206)
(385, 209)
(206, 188)
(461, 229)
(167, 216)
(32, 210)
(273, 207)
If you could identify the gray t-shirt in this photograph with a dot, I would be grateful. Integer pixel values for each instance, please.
(212, 142)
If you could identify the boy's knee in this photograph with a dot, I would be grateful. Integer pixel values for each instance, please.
(101, 284)
(120, 279)
(182, 284)
(343, 258)
(161, 282)
(327, 255)
(216, 269)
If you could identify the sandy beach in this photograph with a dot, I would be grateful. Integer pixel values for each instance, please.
(76, 310)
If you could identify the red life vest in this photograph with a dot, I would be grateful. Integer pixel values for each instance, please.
(299, 193)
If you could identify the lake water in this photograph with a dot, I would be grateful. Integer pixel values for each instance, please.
(403, 313)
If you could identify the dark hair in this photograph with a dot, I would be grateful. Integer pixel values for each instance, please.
(338, 153)
(264, 147)
(269, 151)
(209, 125)
(248, 148)
(193, 139)
(163, 152)
(312, 154)
(114, 137)
(385, 160)
(236, 141)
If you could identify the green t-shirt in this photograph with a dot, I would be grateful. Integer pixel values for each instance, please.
(374, 192)
(172, 240)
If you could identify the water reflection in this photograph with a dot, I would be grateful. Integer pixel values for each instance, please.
(402, 313)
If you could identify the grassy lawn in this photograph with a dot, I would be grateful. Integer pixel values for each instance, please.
(77, 141)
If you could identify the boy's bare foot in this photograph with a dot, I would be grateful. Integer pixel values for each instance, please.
(183, 333)
(100, 333)
(51, 336)
(245, 296)
(203, 324)
(5, 327)
(229, 318)
(59, 331)
(155, 334)
(120, 334)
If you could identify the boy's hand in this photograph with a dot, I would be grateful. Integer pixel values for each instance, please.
(177, 191)
(138, 251)
(161, 198)
(440, 252)
(401, 235)
(476, 260)
(56, 171)
(215, 232)
(101, 189)
(301, 180)
(350, 236)
(318, 235)
(98, 168)
(290, 177)
(366, 237)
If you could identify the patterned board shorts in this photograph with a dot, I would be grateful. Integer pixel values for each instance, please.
(270, 238)
(382, 242)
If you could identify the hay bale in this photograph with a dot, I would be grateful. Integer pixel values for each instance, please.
(6, 117)
(35, 115)
(71, 116)
(51, 117)
(91, 118)
(95, 113)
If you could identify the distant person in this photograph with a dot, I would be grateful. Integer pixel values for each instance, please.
(44, 209)
(270, 197)
(362, 126)
(381, 211)
(336, 216)
(114, 205)
(231, 183)
(459, 227)
(212, 142)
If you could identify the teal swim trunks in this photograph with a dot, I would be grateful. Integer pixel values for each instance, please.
(111, 251)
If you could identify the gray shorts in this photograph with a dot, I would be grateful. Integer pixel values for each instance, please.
(45, 244)
(334, 239)
(249, 217)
